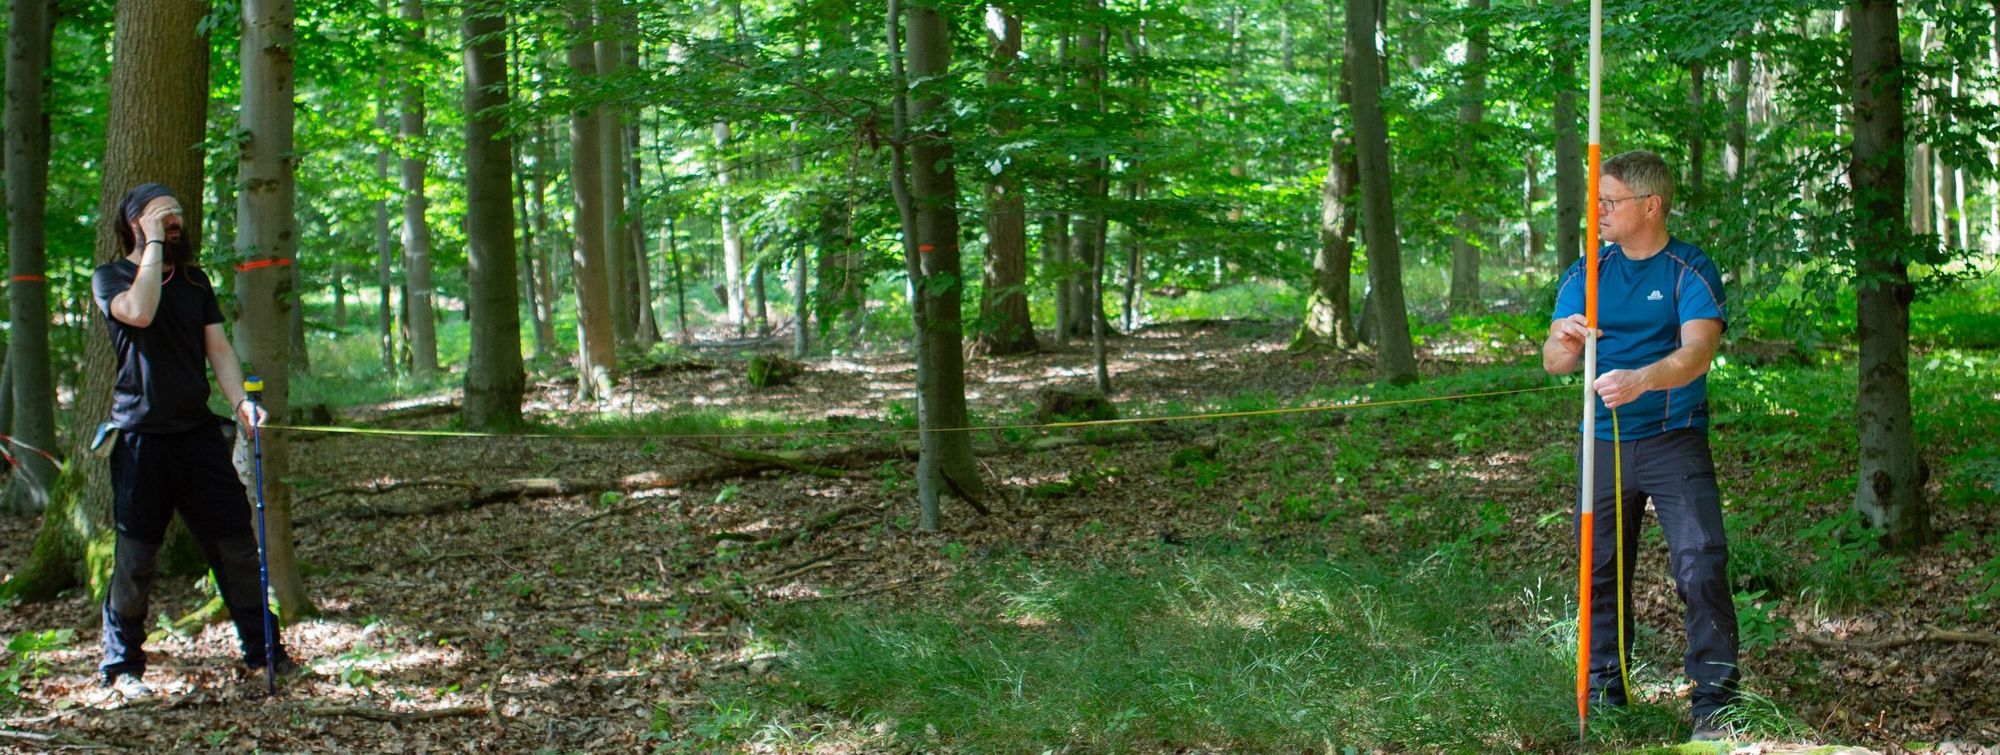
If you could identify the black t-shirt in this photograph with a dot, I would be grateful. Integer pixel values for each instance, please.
(162, 368)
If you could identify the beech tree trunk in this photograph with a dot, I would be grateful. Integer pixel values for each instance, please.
(620, 277)
(1464, 296)
(1396, 361)
(494, 377)
(267, 242)
(1889, 491)
(418, 305)
(1003, 303)
(1329, 317)
(31, 387)
(598, 352)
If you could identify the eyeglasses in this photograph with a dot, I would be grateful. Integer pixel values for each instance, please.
(1608, 206)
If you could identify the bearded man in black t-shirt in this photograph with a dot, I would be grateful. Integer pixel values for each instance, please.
(170, 454)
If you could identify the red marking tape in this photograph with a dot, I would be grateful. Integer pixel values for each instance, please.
(266, 262)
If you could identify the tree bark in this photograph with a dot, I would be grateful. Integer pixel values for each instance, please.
(1534, 240)
(493, 374)
(1397, 361)
(1889, 491)
(31, 387)
(932, 197)
(599, 356)
(619, 275)
(385, 315)
(1329, 317)
(543, 282)
(1569, 160)
(419, 305)
(1005, 327)
(1464, 296)
(732, 236)
(267, 236)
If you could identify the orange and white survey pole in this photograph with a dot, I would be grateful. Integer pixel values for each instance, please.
(1588, 488)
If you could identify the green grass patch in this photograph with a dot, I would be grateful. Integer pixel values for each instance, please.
(1222, 647)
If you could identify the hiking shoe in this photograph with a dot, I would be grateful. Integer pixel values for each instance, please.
(1711, 729)
(129, 687)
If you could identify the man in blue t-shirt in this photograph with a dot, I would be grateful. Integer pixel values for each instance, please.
(1661, 312)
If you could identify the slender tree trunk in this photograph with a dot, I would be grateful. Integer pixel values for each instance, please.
(340, 296)
(268, 237)
(1085, 243)
(1329, 320)
(1569, 160)
(419, 302)
(932, 199)
(732, 236)
(1697, 135)
(31, 388)
(1003, 303)
(672, 241)
(642, 265)
(1464, 296)
(385, 315)
(598, 371)
(763, 301)
(493, 374)
(1536, 241)
(544, 313)
(619, 276)
(1889, 490)
(1396, 361)
(155, 124)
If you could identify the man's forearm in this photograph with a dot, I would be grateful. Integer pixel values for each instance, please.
(228, 373)
(1678, 368)
(1557, 360)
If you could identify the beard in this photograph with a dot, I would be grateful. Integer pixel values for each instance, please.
(179, 250)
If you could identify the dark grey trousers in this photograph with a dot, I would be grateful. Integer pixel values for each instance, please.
(153, 477)
(1677, 472)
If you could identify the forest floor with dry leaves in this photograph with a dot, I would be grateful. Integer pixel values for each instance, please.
(600, 622)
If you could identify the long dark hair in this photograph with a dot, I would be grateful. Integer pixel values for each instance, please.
(179, 251)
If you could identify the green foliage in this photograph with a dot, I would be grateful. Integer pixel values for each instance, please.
(24, 663)
(1265, 651)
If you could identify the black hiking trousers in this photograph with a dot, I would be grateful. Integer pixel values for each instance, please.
(1676, 471)
(154, 475)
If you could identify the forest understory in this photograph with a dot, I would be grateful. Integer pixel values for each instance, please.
(457, 613)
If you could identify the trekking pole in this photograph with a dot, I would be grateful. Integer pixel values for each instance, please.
(253, 391)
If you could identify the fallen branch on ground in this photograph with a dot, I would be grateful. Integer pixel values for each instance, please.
(58, 738)
(378, 488)
(392, 716)
(1931, 634)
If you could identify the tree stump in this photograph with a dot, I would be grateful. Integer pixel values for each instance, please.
(766, 370)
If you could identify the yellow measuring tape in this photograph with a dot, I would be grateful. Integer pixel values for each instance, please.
(336, 430)
(1618, 489)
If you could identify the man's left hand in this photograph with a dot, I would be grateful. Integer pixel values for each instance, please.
(1619, 387)
(250, 414)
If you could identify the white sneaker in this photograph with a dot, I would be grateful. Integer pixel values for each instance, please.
(130, 688)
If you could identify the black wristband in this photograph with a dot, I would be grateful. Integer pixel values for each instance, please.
(150, 242)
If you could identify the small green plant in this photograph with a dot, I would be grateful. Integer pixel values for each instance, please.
(728, 493)
(219, 738)
(955, 551)
(24, 663)
(1756, 621)
(519, 584)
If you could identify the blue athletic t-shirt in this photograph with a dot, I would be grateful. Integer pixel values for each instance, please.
(1641, 305)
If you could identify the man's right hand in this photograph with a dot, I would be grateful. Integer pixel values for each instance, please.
(1570, 332)
(153, 224)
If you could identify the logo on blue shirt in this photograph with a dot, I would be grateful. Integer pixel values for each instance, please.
(1654, 296)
